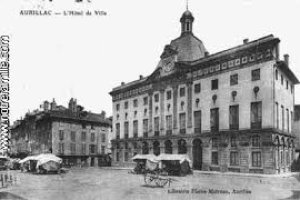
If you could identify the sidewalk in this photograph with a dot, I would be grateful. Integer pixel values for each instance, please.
(216, 173)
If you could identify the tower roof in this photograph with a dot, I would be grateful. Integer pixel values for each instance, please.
(187, 14)
(189, 47)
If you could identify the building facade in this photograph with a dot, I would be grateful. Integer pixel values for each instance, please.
(228, 111)
(77, 136)
(296, 127)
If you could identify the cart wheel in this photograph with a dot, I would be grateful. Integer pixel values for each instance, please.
(147, 179)
(161, 182)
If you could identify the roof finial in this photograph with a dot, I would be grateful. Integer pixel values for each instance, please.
(187, 4)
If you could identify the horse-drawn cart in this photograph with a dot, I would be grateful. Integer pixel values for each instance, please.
(157, 169)
(158, 179)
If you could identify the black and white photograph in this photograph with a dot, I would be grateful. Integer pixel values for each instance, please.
(143, 100)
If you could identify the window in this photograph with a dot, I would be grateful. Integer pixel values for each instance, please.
(126, 105)
(83, 149)
(92, 148)
(126, 156)
(135, 103)
(214, 119)
(102, 149)
(277, 115)
(276, 74)
(233, 141)
(215, 158)
(256, 115)
(117, 107)
(197, 88)
(214, 84)
(118, 131)
(182, 122)
(214, 142)
(126, 130)
(145, 100)
(182, 92)
(288, 120)
(145, 127)
(169, 95)
(92, 137)
(234, 79)
(83, 126)
(287, 84)
(73, 136)
(255, 74)
(156, 97)
(61, 135)
(73, 148)
(61, 148)
(156, 126)
(169, 123)
(83, 136)
(135, 128)
(103, 137)
(234, 117)
(256, 159)
(282, 80)
(282, 117)
(117, 156)
(255, 141)
(197, 121)
(145, 112)
(292, 88)
(182, 149)
(234, 158)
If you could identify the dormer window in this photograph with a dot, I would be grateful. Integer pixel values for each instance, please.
(188, 26)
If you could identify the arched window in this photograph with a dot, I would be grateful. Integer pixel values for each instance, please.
(182, 149)
(168, 147)
(156, 148)
(145, 148)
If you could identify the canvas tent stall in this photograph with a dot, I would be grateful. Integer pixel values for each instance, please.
(4, 162)
(28, 163)
(41, 163)
(48, 163)
(175, 164)
(145, 162)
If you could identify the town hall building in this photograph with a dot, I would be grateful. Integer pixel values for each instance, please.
(228, 111)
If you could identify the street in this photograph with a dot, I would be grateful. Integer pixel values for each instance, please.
(97, 183)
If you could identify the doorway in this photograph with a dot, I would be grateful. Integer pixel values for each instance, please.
(197, 154)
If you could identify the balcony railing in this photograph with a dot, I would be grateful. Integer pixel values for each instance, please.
(214, 128)
(234, 126)
(145, 134)
(197, 130)
(169, 132)
(182, 131)
(256, 125)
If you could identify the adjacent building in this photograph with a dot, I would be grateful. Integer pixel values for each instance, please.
(77, 136)
(229, 111)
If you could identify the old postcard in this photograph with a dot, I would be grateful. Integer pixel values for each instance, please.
(138, 100)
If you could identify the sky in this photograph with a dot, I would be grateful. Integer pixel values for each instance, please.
(84, 57)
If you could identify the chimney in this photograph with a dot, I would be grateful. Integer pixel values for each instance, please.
(245, 41)
(53, 105)
(46, 105)
(286, 59)
(206, 54)
(141, 77)
(103, 114)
